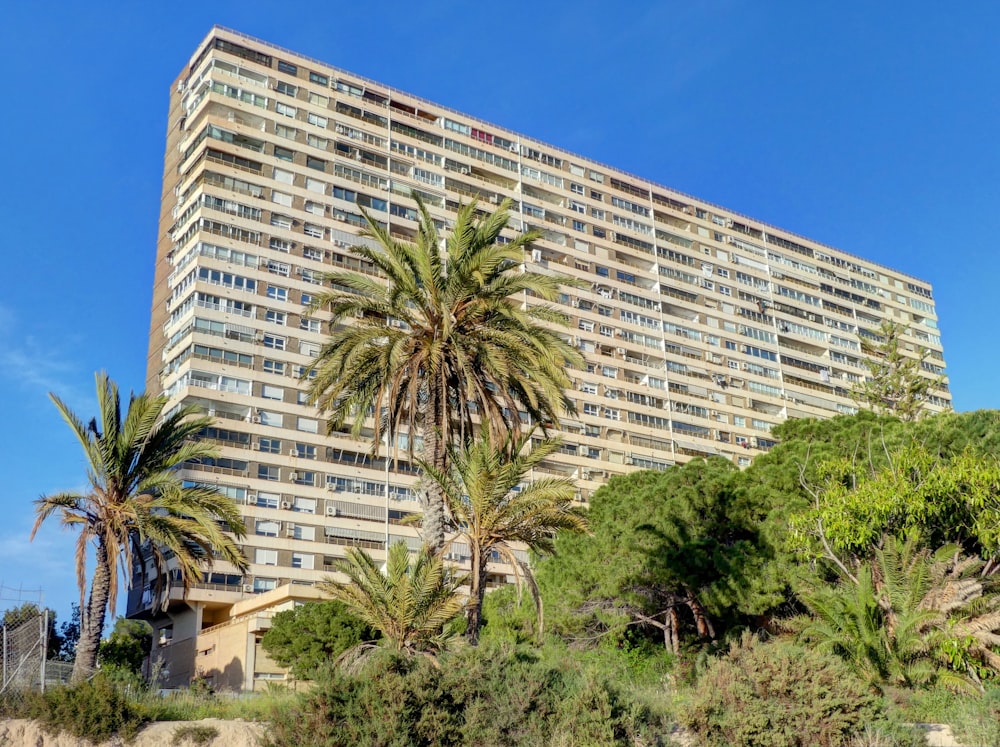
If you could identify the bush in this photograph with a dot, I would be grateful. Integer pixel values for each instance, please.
(196, 734)
(94, 710)
(780, 695)
(486, 695)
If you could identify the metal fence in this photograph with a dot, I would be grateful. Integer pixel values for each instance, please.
(23, 646)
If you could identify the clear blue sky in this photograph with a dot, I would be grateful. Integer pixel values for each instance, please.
(867, 126)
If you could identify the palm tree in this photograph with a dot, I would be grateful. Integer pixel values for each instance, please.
(442, 337)
(487, 508)
(135, 504)
(407, 602)
(909, 616)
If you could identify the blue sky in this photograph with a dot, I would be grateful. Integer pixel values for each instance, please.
(857, 124)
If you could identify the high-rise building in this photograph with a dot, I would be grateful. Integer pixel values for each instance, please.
(701, 328)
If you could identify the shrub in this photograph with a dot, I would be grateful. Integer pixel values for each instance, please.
(94, 710)
(196, 734)
(476, 696)
(779, 695)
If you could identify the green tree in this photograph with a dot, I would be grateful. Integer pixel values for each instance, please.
(669, 551)
(487, 509)
(127, 647)
(442, 328)
(17, 616)
(909, 617)
(307, 638)
(408, 602)
(895, 384)
(857, 504)
(135, 495)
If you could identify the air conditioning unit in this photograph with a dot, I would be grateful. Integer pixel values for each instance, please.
(586, 474)
(248, 588)
(332, 511)
(628, 460)
(290, 531)
(286, 505)
(621, 351)
(293, 476)
(342, 218)
(251, 498)
(293, 452)
(536, 255)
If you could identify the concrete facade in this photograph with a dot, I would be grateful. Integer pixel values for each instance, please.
(702, 328)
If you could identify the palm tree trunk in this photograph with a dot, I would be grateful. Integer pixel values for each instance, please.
(92, 619)
(477, 592)
(436, 454)
(671, 635)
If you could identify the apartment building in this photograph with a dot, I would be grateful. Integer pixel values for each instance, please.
(702, 328)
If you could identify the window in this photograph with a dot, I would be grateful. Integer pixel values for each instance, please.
(316, 208)
(269, 445)
(309, 252)
(267, 500)
(287, 67)
(317, 78)
(285, 177)
(304, 451)
(303, 478)
(599, 233)
(304, 505)
(268, 472)
(305, 533)
(307, 425)
(576, 189)
(283, 154)
(309, 348)
(316, 119)
(271, 418)
(281, 107)
(316, 163)
(260, 585)
(309, 325)
(315, 185)
(579, 225)
(281, 198)
(286, 88)
(300, 560)
(285, 131)
(273, 366)
(274, 342)
(306, 299)
(313, 230)
(265, 557)
(275, 317)
(279, 245)
(597, 213)
(273, 392)
(266, 528)
(317, 142)
(589, 409)
(277, 293)
(318, 99)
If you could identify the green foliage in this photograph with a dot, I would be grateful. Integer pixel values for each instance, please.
(478, 696)
(895, 384)
(779, 695)
(136, 504)
(13, 617)
(445, 327)
(127, 646)
(955, 501)
(307, 638)
(196, 734)
(94, 709)
(909, 617)
(670, 551)
(973, 720)
(493, 504)
(408, 602)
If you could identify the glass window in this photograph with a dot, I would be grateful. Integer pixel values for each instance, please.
(287, 67)
(268, 472)
(266, 528)
(317, 78)
(265, 557)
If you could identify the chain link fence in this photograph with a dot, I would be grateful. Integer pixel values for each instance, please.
(23, 646)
